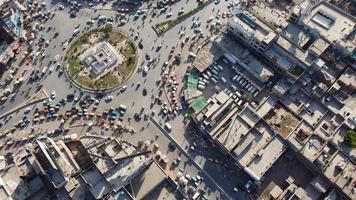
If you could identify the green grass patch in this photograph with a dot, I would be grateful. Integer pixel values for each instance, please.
(167, 25)
(74, 67)
(350, 138)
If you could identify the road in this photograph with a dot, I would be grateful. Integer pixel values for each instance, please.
(133, 98)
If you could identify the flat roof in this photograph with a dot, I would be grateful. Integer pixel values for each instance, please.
(268, 15)
(248, 22)
(231, 133)
(147, 181)
(204, 57)
(341, 171)
(332, 23)
(303, 57)
(279, 58)
(267, 156)
(296, 35)
(96, 183)
(121, 173)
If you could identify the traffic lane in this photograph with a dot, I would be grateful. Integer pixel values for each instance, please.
(150, 134)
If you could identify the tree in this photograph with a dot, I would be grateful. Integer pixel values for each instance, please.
(247, 96)
(108, 28)
(350, 138)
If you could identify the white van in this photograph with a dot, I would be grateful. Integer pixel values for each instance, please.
(220, 67)
(253, 90)
(201, 87)
(208, 73)
(214, 72)
(238, 78)
(238, 93)
(201, 83)
(70, 137)
(206, 81)
(168, 127)
(122, 107)
(241, 81)
(44, 70)
(76, 31)
(216, 68)
(145, 70)
(234, 77)
(214, 80)
(205, 76)
(243, 84)
(102, 18)
(192, 55)
(223, 80)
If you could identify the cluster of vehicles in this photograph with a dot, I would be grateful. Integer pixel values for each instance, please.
(244, 83)
(211, 74)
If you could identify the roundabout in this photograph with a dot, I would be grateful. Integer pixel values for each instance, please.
(101, 59)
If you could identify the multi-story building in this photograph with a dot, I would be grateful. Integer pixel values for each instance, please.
(251, 31)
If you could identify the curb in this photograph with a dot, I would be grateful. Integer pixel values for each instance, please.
(189, 158)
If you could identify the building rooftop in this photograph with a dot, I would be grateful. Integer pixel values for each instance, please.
(261, 155)
(296, 35)
(342, 172)
(122, 172)
(206, 56)
(96, 183)
(294, 52)
(145, 183)
(332, 23)
(269, 15)
(252, 25)
(100, 58)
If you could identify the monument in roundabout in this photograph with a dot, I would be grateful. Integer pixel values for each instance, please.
(101, 59)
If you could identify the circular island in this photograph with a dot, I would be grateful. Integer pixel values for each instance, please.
(101, 59)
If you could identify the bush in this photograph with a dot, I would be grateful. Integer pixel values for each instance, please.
(350, 138)
(108, 28)
(247, 96)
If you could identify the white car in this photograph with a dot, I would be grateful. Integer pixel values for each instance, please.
(210, 19)
(51, 69)
(65, 45)
(123, 88)
(53, 94)
(109, 98)
(90, 22)
(197, 30)
(61, 7)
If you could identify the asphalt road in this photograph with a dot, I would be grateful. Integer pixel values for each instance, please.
(133, 98)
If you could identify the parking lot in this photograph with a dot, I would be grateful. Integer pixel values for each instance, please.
(223, 75)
